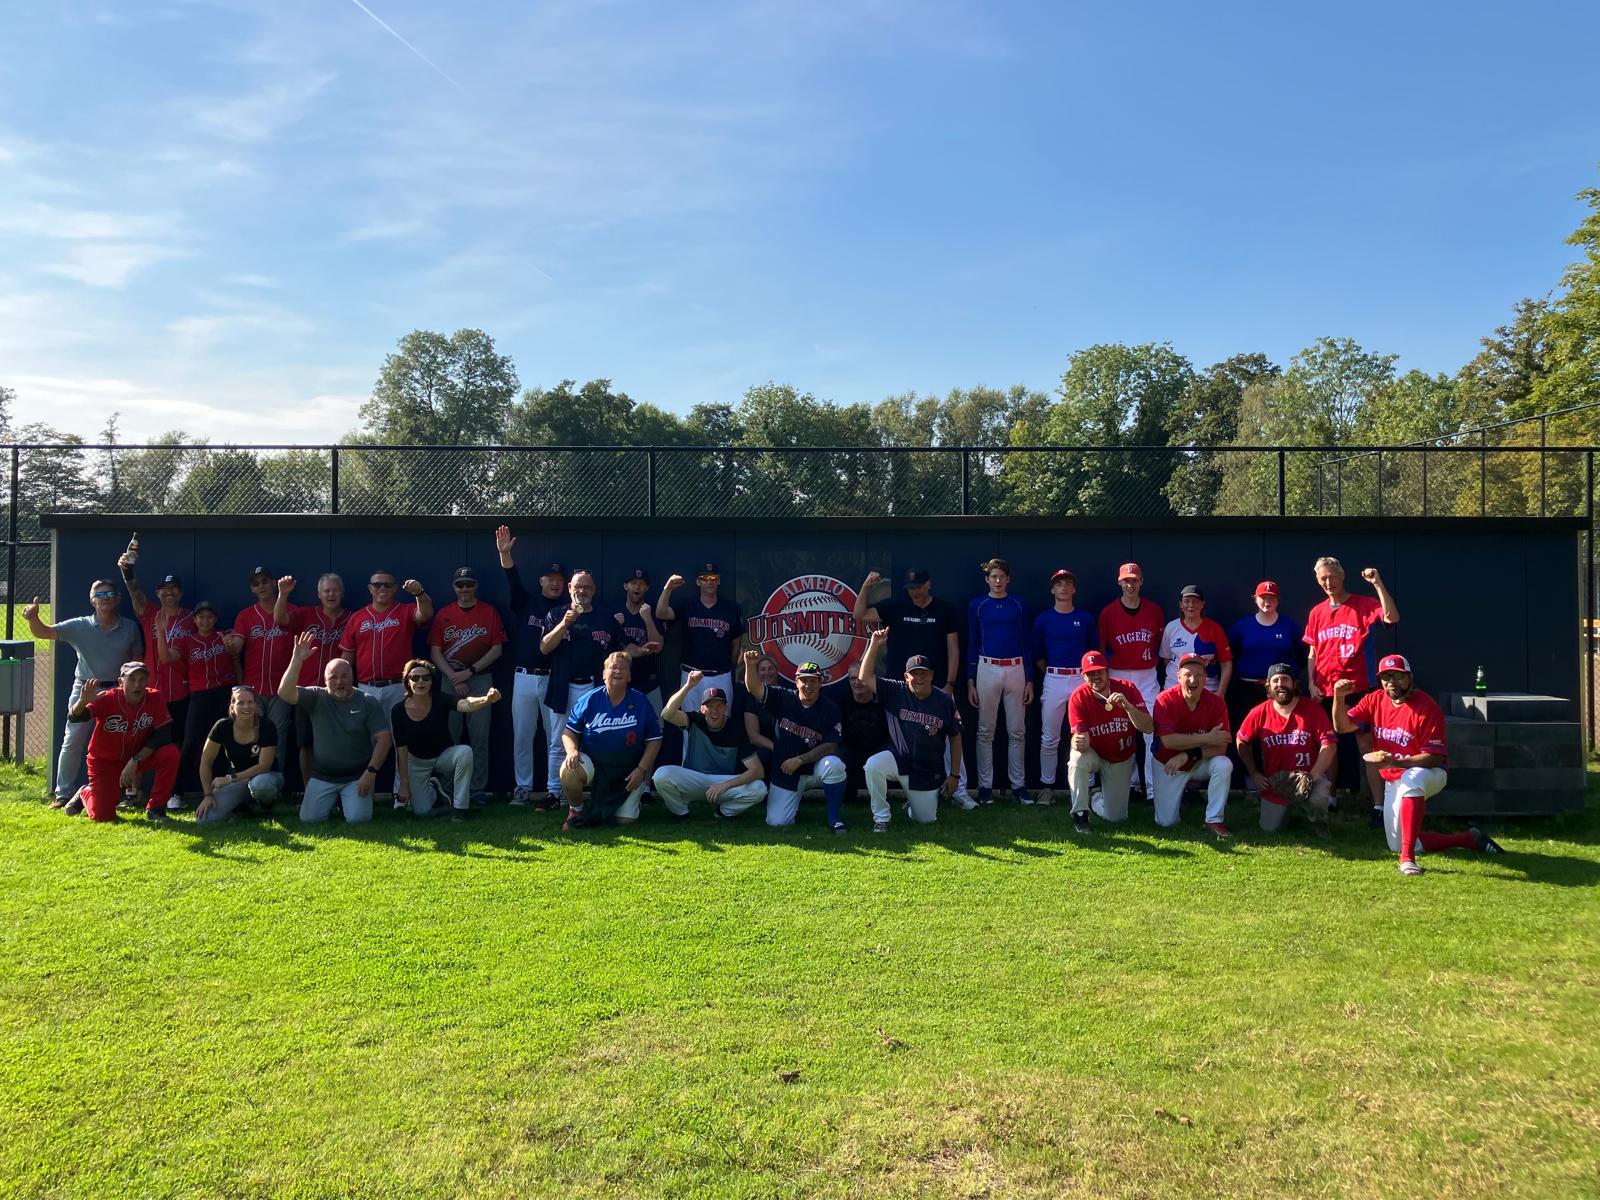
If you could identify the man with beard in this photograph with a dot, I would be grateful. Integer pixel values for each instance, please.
(712, 627)
(1130, 634)
(1297, 748)
(611, 737)
(924, 734)
(1408, 735)
(350, 736)
(806, 732)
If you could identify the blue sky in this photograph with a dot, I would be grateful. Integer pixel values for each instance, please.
(219, 216)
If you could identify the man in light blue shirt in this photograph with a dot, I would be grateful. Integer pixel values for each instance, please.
(104, 642)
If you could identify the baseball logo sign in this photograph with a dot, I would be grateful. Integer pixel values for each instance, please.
(809, 619)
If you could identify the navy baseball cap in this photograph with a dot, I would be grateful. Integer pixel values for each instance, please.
(639, 573)
(257, 572)
(170, 581)
(464, 575)
(1190, 589)
(206, 606)
(918, 662)
(709, 568)
(713, 694)
(1280, 669)
(916, 576)
(554, 568)
(808, 670)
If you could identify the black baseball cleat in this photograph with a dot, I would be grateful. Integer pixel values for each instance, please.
(157, 816)
(985, 796)
(841, 828)
(73, 807)
(461, 814)
(1483, 842)
(1080, 822)
(1375, 820)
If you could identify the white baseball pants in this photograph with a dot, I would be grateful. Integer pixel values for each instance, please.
(783, 804)
(1217, 771)
(527, 711)
(554, 723)
(997, 685)
(678, 786)
(1058, 690)
(1149, 687)
(879, 770)
(1413, 781)
(1114, 780)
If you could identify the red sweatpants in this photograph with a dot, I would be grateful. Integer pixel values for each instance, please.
(105, 784)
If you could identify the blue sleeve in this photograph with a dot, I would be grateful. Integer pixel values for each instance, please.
(652, 723)
(519, 591)
(1036, 644)
(1022, 640)
(579, 716)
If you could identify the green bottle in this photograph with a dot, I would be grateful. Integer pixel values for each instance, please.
(1481, 685)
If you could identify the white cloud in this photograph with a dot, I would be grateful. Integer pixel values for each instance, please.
(240, 321)
(109, 264)
(261, 115)
(79, 224)
(249, 280)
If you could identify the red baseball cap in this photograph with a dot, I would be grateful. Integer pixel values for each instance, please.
(1095, 661)
(1266, 588)
(1192, 657)
(1393, 662)
(1062, 573)
(1129, 571)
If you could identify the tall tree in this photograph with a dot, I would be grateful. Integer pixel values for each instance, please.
(1205, 417)
(1572, 324)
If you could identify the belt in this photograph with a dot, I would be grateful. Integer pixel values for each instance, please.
(707, 670)
(1000, 662)
(1063, 671)
(580, 679)
(533, 670)
(381, 682)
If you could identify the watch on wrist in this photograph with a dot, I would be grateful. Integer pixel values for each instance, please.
(369, 770)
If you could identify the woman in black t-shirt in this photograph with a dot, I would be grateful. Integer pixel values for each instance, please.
(238, 759)
(424, 746)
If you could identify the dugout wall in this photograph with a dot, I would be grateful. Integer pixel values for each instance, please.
(1504, 593)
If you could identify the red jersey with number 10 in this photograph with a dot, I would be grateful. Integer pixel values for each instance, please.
(1130, 639)
(1110, 732)
(1415, 726)
(122, 729)
(1286, 743)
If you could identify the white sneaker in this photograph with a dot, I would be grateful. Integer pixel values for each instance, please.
(175, 804)
(962, 800)
(1097, 804)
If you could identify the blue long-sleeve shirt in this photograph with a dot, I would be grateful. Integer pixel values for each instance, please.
(1061, 638)
(997, 629)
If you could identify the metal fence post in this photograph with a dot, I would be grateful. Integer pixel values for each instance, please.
(1283, 508)
(966, 482)
(1424, 483)
(1338, 489)
(335, 495)
(650, 481)
(1588, 593)
(1380, 483)
(1483, 473)
(1541, 466)
(11, 546)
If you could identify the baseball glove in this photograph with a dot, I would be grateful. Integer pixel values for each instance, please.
(1291, 785)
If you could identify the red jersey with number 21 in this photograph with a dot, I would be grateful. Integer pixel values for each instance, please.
(1414, 727)
(1339, 635)
(1287, 743)
(1110, 733)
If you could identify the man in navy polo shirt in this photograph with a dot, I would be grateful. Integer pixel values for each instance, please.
(1062, 635)
(924, 733)
(611, 737)
(530, 621)
(711, 628)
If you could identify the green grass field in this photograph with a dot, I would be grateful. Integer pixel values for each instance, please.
(984, 1008)
(19, 625)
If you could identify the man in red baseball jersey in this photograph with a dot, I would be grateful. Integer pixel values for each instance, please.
(1103, 715)
(263, 647)
(132, 734)
(465, 640)
(1296, 745)
(377, 638)
(1336, 633)
(1408, 735)
(1192, 743)
(325, 621)
(1130, 635)
(169, 677)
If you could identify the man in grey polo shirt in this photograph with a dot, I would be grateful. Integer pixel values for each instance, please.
(104, 642)
(350, 736)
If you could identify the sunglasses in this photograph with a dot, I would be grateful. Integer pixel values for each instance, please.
(711, 579)
(420, 676)
(378, 584)
(466, 587)
(104, 595)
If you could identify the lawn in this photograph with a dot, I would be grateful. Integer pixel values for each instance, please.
(984, 1008)
(19, 623)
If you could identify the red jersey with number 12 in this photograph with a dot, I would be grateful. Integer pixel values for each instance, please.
(1286, 743)
(1339, 635)
(1131, 639)
(1110, 733)
(1415, 726)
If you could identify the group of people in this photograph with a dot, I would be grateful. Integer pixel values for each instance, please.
(211, 712)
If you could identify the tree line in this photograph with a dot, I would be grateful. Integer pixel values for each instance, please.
(457, 390)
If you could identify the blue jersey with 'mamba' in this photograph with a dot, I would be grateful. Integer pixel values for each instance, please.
(613, 733)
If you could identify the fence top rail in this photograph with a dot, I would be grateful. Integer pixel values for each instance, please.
(1345, 451)
(1475, 431)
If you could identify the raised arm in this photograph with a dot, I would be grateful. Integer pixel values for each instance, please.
(423, 613)
(752, 677)
(1341, 695)
(282, 610)
(664, 608)
(672, 711)
(472, 704)
(30, 614)
(289, 686)
(863, 612)
(135, 592)
(1391, 611)
(867, 672)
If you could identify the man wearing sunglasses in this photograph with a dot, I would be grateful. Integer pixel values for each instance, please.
(262, 643)
(712, 628)
(465, 640)
(377, 640)
(104, 642)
